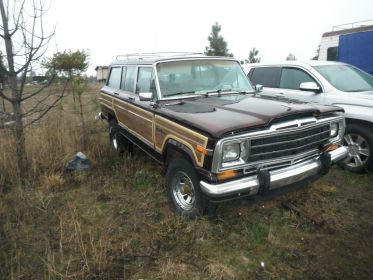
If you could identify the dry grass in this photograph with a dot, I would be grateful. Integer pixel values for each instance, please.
(53, 183)
(219, 271)
(173, 270)
(115, 221)
(55, 139)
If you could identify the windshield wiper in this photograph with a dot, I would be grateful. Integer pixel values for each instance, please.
(245, 92)
(218, 91)
(179, 93)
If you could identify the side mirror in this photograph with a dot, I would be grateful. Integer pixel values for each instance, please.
(258, 88)
(145, 96)
(310, 86)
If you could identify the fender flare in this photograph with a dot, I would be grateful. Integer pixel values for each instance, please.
(179, 148)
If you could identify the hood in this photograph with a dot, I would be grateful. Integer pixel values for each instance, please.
(359, 98)
(366, 95)
(235, 113)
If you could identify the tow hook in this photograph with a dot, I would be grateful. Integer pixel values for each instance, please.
(326, 162)
(264, 178)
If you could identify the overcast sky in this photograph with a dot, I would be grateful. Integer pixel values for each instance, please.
(275, 28)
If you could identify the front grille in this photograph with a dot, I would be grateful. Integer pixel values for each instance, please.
(288, 144)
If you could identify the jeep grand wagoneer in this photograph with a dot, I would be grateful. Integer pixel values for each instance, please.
(219, 140)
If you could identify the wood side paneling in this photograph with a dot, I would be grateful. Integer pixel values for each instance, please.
(166, 130)
(141, 122)
(155, 130)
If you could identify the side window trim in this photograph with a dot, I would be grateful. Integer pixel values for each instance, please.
(123, 77)
(109, 76)
(135, 80)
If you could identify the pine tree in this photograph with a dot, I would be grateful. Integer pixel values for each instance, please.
(253, 56)
(316, 57)
(218, 46)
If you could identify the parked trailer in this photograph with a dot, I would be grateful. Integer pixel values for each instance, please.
(352, 45)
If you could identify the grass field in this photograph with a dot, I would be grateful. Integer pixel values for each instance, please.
(115, 221)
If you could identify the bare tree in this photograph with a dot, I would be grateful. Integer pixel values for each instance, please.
(25, 43)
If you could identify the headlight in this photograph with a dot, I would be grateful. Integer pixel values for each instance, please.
(236, 151)
(333, 129)
(231, 152)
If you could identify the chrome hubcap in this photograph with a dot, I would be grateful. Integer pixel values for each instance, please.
(358, 150)
(183, 190)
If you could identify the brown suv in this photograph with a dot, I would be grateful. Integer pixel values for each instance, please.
(219, 140)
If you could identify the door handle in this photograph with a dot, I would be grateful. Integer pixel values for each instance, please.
(131, 98)
(116, 93)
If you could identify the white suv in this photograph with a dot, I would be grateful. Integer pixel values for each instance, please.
(330, 83)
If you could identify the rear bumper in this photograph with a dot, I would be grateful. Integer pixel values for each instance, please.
(273, 179)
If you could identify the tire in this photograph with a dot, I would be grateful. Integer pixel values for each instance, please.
(358, 139)
(118, 142)
(184, 192)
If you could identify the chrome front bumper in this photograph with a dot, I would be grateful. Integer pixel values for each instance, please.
(277, 178)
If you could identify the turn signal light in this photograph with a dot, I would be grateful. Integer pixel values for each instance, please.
(202, 150)
(227, 174)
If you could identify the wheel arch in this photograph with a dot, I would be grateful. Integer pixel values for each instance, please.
(365, 128)
(108, 113)
(111, 116)
(350, 121)
(174, 149)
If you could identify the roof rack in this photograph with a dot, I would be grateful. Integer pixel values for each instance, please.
(141, 56)
(351, 25)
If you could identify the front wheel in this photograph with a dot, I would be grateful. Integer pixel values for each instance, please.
(359, 141)
(184, 192)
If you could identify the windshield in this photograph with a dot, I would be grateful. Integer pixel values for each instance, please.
(346, 77)
(193, 77)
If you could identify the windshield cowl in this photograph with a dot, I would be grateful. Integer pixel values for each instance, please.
(182, 96)
(364, 90)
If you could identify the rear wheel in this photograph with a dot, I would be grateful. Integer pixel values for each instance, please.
(118, 142)
(359, 141)
(184, 192)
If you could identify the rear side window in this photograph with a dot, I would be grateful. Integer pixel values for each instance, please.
(266, 76)
(291, 78)
(114, 77)
(143, 79)
(129, 82)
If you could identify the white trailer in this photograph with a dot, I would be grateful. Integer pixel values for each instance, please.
(351, 43)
